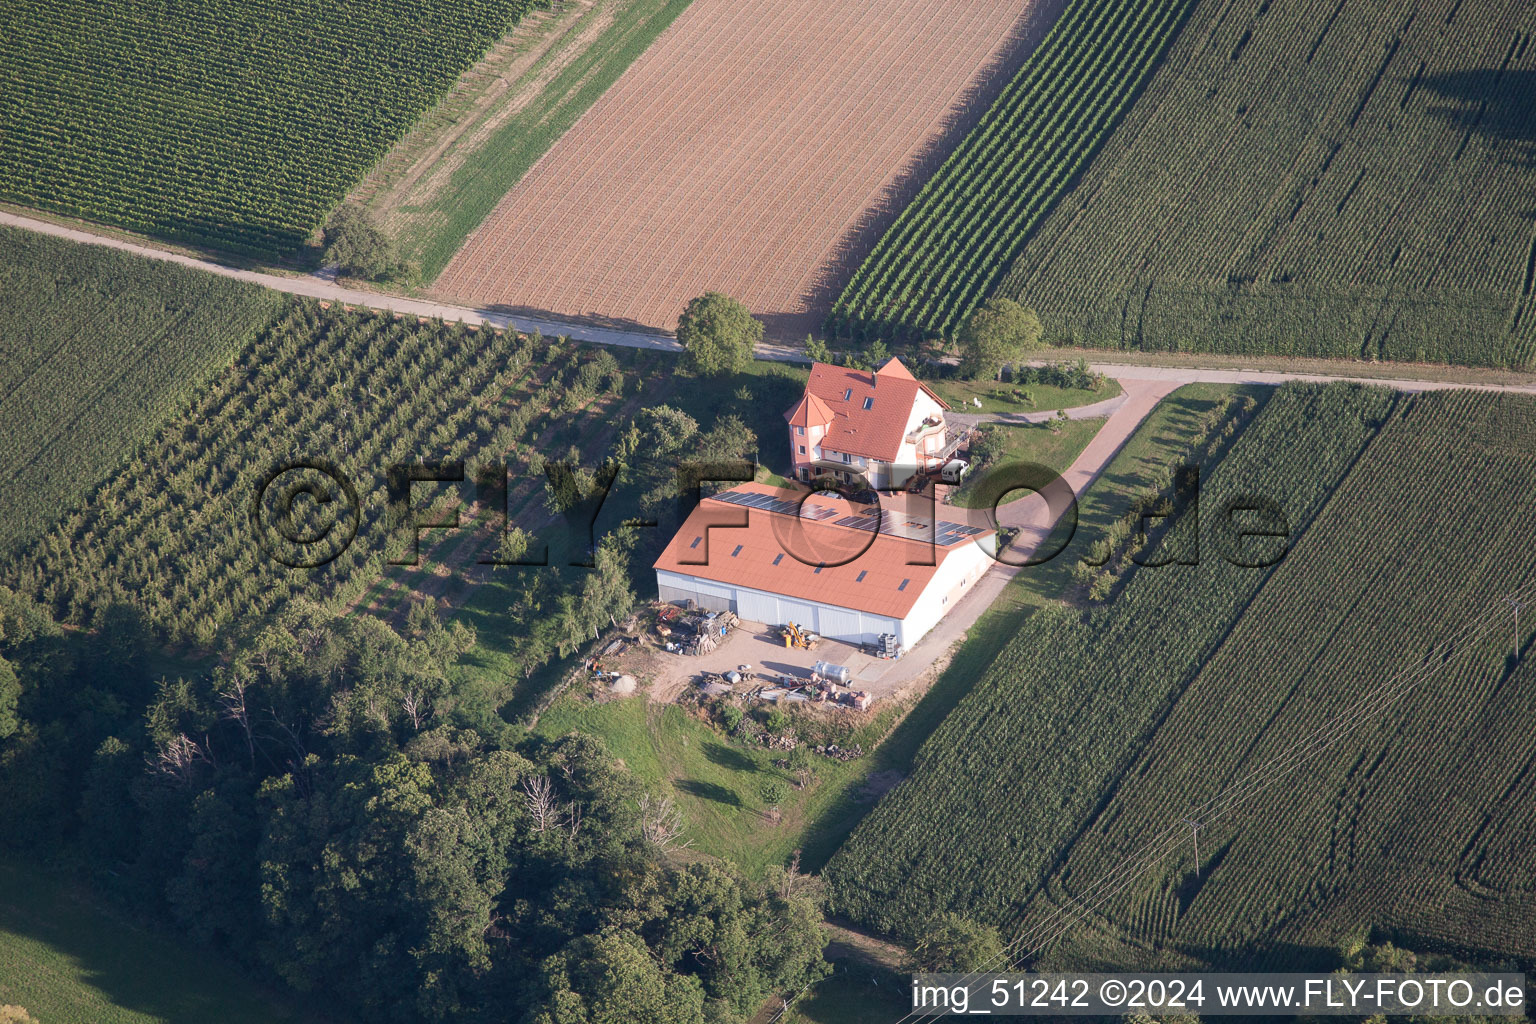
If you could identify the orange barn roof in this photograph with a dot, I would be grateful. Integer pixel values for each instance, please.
(779, 552)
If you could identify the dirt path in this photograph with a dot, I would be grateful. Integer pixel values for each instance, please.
(1034, 516)
(1095, 411)
(1430, 378)
(499, 86)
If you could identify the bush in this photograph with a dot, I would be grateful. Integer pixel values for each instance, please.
(356, 245)
(1062, 375)
(773, 791)
(988, 444)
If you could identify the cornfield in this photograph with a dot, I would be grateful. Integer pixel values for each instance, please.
(1095, 730)
(97, 349)
(1311, 178)
(948, 248)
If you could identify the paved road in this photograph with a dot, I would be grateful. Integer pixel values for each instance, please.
(321, 287)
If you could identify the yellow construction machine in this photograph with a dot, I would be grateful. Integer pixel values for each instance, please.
(795, 636)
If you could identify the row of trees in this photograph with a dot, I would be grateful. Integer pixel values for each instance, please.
(719, 335)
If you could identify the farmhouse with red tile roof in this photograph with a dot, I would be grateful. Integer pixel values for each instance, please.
(881, 426)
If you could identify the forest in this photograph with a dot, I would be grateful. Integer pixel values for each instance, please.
(313, 807)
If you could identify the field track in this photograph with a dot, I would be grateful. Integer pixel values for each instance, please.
(747, 151)
(1429, 378)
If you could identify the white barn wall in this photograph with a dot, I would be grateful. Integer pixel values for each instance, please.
(957, 574)
(834, 621)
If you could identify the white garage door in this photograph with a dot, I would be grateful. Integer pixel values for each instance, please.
(843, 624)
(755, 606)
(798, 612)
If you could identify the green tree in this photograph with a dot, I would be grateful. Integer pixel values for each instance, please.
(743, 941)
(816, 350)
(998, 332)
(875, 354)
(354, 243)
(718, 334)
(10, 695)
(613, 978)
(729, 438)
(951, 943)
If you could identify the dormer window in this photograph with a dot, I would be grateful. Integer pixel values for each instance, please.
(869, 402)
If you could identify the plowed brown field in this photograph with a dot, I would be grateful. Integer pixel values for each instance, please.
(754, 149)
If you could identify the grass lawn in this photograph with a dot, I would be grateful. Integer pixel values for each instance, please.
(70, 962)
(716, 780)
(997, 396)
(1057, 449)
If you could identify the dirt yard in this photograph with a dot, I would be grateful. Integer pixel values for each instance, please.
(753, 644)
(750, 150)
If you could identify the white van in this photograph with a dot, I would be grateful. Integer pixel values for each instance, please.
(954, 470)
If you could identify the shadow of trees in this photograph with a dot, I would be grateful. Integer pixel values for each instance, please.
(709, 791)
(1499, 104)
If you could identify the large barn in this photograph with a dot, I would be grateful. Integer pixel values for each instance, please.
(848, 572)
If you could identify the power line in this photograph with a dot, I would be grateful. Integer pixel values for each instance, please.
(1229, 799)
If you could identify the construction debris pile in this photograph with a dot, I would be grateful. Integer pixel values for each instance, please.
(827, 684)
(693, 632)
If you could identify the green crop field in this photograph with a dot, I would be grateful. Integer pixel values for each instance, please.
(68, 961)
(948, 248)
(1297, 177)
(236, 124)
(97, 349)
(1310, 178)
(1101, 729)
